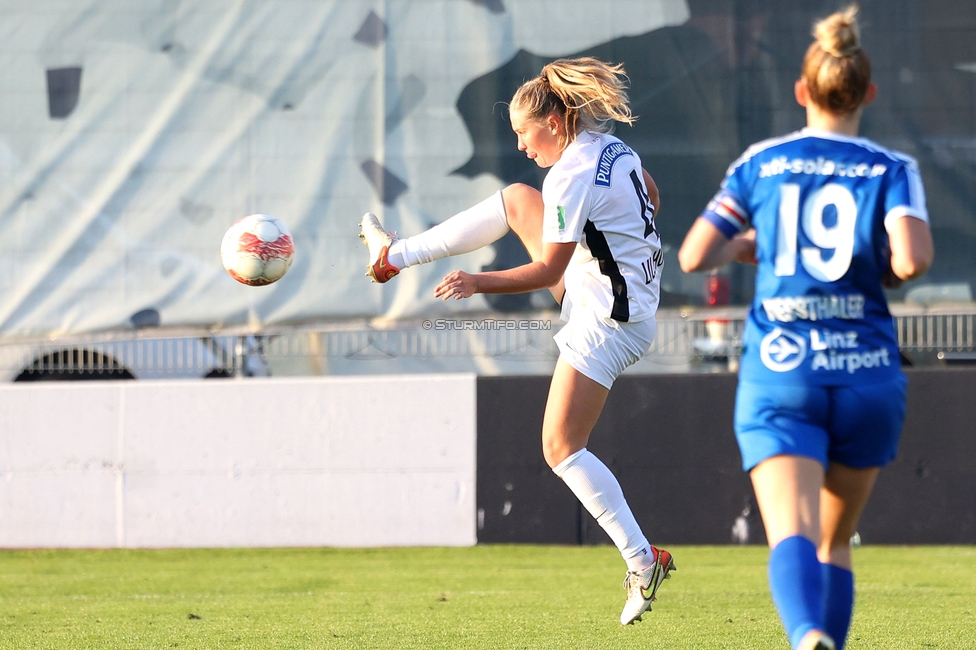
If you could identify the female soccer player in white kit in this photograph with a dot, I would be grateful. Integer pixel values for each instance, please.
(591, 237)
(829, 217)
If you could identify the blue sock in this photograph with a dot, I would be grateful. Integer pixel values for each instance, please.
(839, 602)
(796, 582)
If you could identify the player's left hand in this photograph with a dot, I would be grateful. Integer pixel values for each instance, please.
(457, 285)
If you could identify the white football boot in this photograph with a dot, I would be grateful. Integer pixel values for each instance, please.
(816, 640)
(378, 241)
(641, 586)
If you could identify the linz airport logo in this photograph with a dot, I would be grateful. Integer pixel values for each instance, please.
(782, 351)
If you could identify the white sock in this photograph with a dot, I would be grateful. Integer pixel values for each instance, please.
(598, 490)
(466, 231)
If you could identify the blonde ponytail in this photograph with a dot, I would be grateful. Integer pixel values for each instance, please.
(586, 93)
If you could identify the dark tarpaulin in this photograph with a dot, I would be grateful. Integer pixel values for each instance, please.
(708, 89)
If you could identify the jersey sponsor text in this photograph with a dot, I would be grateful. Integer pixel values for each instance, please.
(608, 157)
(820, 167)
(815, 308)
(850, 361)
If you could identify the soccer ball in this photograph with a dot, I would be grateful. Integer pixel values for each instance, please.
(257, 250)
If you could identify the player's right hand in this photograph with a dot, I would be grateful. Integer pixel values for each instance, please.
(457, 285)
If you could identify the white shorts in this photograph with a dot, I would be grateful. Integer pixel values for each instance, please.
(601, 348)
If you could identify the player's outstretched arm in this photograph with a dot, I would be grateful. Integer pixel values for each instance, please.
(912, 249)
(539, 274)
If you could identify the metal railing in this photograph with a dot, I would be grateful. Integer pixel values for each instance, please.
(937, 332)
(687, 340)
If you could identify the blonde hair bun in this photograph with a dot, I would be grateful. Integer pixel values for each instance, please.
(839, 34)
(836, 68)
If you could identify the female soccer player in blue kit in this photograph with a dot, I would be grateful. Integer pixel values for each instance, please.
(829, 217)
(591, 236)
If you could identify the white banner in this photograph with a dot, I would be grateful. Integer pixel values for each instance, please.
(134, 132)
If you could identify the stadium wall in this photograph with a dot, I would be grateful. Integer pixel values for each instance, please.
(372, 461)
(669, 440)
(395, 461)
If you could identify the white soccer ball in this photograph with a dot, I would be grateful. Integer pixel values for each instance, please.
(257, 250)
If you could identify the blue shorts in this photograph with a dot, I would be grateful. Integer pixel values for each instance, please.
(858, 426)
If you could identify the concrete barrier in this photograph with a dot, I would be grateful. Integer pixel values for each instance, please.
(363, 461)
(391, 461)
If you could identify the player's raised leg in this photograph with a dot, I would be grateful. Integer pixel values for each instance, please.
(518, 208)
(466, 231)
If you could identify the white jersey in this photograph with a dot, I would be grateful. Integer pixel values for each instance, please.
(595, 196)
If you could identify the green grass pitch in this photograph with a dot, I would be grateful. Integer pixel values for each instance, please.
(528, 597)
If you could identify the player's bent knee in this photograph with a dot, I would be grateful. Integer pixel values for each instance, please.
(519, 192)
(523, 205)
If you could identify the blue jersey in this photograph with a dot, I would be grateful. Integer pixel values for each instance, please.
(819, 202)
